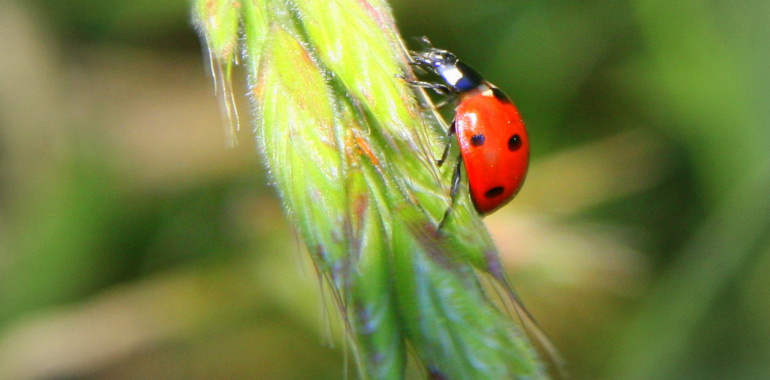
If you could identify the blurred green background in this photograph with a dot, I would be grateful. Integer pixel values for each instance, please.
(135, 245)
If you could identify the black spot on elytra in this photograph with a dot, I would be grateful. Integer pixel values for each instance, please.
(477, 140)
(499, 95)
(514, 143)
(494, 192)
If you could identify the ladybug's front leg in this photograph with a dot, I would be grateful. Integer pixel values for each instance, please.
(438, 88)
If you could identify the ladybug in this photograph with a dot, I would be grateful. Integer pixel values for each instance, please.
(493, 141)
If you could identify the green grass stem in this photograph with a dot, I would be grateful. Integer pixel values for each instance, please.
(352, 155)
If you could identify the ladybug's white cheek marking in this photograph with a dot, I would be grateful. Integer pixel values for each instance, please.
(452, 75)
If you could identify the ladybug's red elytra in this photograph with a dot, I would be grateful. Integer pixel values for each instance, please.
(493, 141)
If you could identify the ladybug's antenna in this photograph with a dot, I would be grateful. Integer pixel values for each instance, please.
(424, 41)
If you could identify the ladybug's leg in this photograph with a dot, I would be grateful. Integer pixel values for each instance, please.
(452, 192)
(448, 144)
(439, 88)
(449, 99)
(456, 179)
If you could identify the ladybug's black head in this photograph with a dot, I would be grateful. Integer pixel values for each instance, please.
(433, 58)
(457, 75)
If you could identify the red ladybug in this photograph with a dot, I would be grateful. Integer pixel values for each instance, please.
(490, 132)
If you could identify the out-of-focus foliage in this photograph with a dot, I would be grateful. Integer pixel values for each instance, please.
(134, 244)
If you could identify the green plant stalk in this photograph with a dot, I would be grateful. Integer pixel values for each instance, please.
(352, 157)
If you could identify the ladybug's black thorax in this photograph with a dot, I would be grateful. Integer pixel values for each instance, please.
(460, 77)
(456, 74)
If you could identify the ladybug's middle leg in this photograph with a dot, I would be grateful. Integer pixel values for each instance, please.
(448, 144)
(452, 192)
